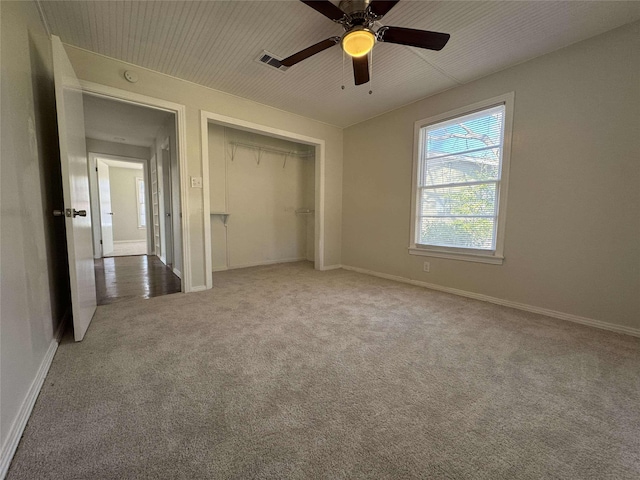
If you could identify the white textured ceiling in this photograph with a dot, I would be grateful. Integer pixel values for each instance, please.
(121, 122)
(215, 43)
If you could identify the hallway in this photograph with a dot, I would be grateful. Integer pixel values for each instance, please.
(142, 276)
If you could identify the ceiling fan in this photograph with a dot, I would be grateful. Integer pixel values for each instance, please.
(358, 18)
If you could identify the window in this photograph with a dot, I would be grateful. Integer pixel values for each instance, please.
(460, 182)
(142, 212)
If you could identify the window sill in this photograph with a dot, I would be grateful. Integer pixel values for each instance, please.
(467, 257)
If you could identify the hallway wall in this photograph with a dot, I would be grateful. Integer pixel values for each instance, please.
(117, 149)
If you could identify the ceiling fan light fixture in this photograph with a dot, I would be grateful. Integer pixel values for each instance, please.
(358, 42)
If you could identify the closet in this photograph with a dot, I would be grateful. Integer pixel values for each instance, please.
(262, 194)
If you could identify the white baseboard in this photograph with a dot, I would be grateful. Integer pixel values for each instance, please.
(128, 241)
(178, 273)
(19, 424)
(331, 267)
(507, 303)
(274, 262)
(198, 288)
(268, 262)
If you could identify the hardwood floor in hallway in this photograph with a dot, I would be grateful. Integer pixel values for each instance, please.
(141, 276)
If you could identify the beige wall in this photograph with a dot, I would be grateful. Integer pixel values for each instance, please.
(117, 149)
(106, 71)
(572, 230)
(261, 198)
(35, 284)
(124, 205)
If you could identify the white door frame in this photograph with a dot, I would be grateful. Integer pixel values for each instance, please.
(97, 231)
(319, 144)
(181, 124)
(167, 235)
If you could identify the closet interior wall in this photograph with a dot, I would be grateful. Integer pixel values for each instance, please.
(261, 198)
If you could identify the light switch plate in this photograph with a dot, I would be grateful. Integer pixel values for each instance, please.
(196, 182)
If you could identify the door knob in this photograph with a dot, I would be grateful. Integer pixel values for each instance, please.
(58, 213)
(81, 213)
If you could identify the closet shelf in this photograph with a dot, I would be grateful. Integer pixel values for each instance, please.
(279, 151)
(224, 215)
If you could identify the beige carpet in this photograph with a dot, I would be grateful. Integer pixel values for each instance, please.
(285, 372)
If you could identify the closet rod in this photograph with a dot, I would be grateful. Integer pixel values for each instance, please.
(273, 150)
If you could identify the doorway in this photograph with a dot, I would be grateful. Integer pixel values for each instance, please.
(121, 222)
(262, 199)
(317, 153)
(135, 194)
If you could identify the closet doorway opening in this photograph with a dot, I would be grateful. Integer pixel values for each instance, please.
(264, 195)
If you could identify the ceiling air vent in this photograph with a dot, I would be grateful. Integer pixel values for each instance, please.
(270, 60)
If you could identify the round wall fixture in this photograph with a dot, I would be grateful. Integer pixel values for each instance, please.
(131, 76)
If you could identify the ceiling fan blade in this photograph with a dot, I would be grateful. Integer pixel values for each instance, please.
(326, 8)
(361, 69)
(414, 38)
(309, 51)
(382, 7)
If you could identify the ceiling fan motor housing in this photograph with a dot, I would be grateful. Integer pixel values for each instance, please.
(357, 14)
(353, 6)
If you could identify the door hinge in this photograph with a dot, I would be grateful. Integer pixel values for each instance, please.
(96, 169)
(100, 242)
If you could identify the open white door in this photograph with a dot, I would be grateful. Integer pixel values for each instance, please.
(75, 186)
(106, 215)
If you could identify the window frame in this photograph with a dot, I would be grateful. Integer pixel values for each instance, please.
(141, 207)
(495, 256)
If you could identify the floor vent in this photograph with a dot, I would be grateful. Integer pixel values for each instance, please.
(270, 60)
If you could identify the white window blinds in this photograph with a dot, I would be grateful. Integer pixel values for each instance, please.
(459, 181)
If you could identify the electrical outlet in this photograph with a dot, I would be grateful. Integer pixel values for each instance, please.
(426, 267)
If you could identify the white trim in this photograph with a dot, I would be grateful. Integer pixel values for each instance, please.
(181, 125)
(331, 267)
(507, 303)
(495, 256)
(178, 273)
(319, 144)
(20, 422)
(267, 262)
(470, 257)
(128, 241)
(204, 145)
(199, 288)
